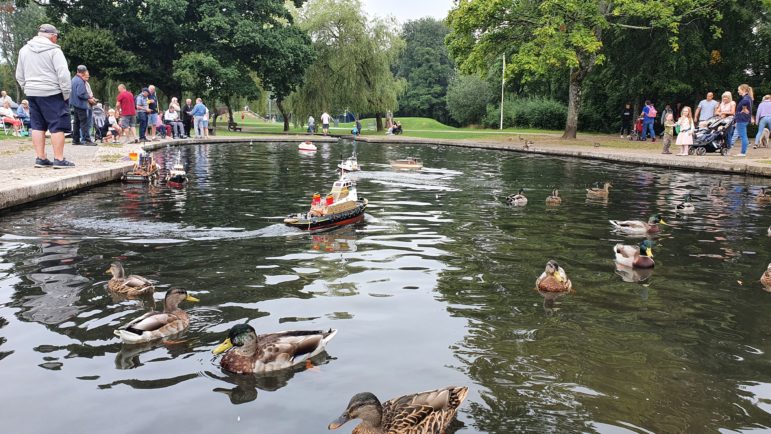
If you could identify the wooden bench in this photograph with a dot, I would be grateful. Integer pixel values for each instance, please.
(232, 126)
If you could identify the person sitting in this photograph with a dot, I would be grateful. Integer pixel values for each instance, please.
(9, 117)
(397, 128)
(171, 117)
(160, 126)
(114, 131)
(22, 113)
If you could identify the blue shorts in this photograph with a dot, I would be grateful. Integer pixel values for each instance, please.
(49, 113)
(152, 118)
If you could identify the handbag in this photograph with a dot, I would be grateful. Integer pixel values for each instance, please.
(677, 129)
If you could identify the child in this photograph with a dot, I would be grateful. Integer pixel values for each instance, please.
(669, 132)
(685, 137)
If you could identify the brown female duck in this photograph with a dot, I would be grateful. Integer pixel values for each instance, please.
(156, 325)
(130, 286)
(553, 279)
(420, 413)
(554, 198)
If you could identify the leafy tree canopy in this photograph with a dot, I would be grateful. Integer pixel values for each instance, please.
(467, 98)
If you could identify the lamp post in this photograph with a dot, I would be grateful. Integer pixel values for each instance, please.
(503, 81)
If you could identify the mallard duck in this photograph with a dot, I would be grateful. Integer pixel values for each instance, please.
(248, 353)
(554, 198)
(156, 325)
(553, 279)
(131, 286)
(518, 199)
(638, 226)
(763, 196)
(635, 256)
(718, 189)
(685, 207)
(765, 279)
(599, 192)
(420, 413)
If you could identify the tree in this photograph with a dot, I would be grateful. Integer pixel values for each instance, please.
(353, 67)
(540, 36)
(206, 77)
(427, 68)
(17, 25)
(467, 98)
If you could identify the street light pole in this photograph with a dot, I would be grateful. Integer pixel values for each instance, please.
(503, 80)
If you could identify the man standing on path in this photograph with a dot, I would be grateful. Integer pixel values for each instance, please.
(152, 115)
(81, 101)
(325, 122)
(43, 73)
(198, 112)
(187, 118)
(649, 116)
(127, 111)
(143, 109)
(706, 108)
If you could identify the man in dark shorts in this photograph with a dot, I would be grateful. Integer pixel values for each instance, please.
(43, 73)
(127, 112)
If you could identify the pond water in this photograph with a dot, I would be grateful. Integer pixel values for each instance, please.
(434, 289)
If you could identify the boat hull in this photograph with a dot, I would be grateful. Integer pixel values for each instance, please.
(135, 178)
(308, 223)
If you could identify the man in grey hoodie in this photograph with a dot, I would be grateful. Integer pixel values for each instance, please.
(43, 73)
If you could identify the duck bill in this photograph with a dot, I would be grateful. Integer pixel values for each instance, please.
(191, 298)
(224, 346)
(337, 423)
(107, 271)
(663, 222)
(649, 252)
(558, 276)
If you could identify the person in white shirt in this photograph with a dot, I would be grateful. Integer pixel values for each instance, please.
(171, 117)
(311, 125)
(325, 117)
(114, 129)
(9, 117)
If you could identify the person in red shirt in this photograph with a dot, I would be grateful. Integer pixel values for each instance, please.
(127, 112)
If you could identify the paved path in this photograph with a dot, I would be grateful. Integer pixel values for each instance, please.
(21, 183)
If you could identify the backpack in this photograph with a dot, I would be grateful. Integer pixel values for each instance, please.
(652, 112)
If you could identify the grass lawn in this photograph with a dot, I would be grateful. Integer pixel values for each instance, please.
(432, 129)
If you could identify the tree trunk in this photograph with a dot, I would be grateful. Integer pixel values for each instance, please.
(574, 105)
(230, 111)
(280, 105)
(379, 121)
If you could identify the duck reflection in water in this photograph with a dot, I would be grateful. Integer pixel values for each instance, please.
(246, 385)
(633, 275)
(128, 356)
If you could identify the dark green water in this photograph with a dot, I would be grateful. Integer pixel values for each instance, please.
(435, 289)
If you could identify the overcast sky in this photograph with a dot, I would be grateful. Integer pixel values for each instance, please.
(405, 10)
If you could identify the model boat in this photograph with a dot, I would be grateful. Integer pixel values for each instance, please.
(340, 207)
(307, 146)
(409, 163)
(350, 164)
(144, 171)
(177, 177)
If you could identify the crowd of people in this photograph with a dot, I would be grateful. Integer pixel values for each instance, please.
(58, 104)
(679, 125)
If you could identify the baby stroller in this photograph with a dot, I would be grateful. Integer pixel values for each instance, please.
(100, 122)
(637, 130)
(710, 136)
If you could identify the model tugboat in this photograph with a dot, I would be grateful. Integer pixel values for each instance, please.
(177, 177)
(350, 164)
(144, 171)
(340, 207)
(409, 163)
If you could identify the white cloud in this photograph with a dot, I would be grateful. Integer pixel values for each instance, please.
(405, 10)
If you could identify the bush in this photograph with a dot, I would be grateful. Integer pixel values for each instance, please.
(467, 98)
(543, 113)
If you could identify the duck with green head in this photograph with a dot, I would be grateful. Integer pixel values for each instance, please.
(639, 227)
(686, 206)
(518, 199)
(419, 413)
(635, 256)
(249, 353)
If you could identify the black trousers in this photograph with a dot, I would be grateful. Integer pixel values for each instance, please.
(80, 131)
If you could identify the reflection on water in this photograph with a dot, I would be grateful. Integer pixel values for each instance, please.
(435, 288)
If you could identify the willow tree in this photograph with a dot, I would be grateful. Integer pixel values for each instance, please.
(352, 70)
(539, 36)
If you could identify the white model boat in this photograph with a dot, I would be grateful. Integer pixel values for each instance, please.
(307, 146)
(339, 207)
(350, 164)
